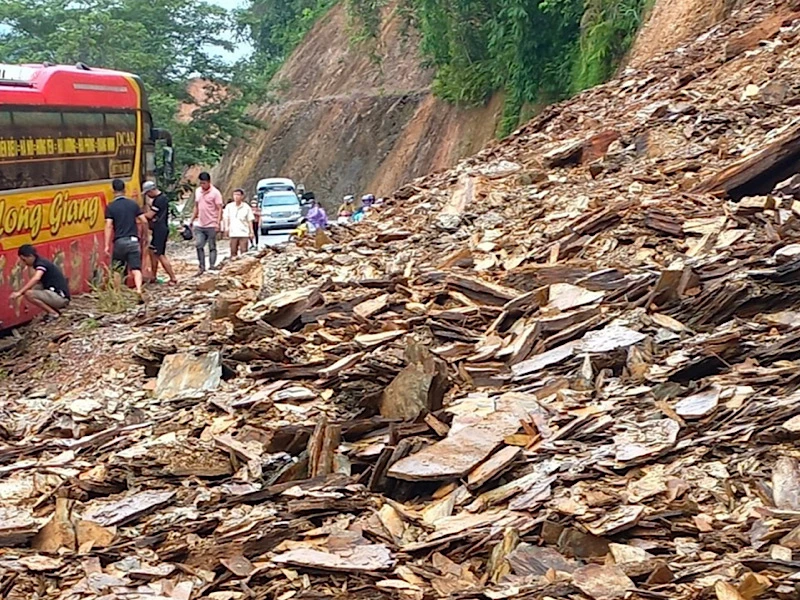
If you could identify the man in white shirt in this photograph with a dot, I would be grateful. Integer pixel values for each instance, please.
(237, 223)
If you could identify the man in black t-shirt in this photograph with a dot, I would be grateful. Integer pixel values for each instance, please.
(48, 288)
(125, 223)
(158, 214)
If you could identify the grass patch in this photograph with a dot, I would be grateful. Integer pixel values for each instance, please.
(113, 296)
(89, 324)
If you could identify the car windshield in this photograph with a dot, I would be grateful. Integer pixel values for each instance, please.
(279, 200)
(276, 187)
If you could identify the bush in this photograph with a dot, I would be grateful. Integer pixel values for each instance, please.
(112, 295)
(535, 51)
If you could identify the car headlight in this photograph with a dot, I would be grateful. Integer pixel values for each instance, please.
(296, 213)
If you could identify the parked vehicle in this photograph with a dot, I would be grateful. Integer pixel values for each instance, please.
(279, 210)
(275, 184)
(65, 133)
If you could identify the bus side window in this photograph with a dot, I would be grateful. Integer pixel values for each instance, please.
(27, 135)
(87, 129)
(41, 147)
(7, 180)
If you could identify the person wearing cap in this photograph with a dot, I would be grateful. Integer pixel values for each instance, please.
(158, 215)
(346, 210)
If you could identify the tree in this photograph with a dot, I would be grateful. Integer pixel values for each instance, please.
(167, 43)
(274, 28)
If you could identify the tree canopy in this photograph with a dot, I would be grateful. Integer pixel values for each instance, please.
(274, 28)
(167, 43)
(535, 51)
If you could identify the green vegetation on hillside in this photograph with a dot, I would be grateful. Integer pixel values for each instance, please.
(275, 28)
(536, 51)
(167, 43)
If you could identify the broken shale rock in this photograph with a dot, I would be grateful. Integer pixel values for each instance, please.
(419, 388)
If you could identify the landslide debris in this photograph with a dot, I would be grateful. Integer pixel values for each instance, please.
(566, 368)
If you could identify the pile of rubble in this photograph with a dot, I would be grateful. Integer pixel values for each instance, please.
(567, 368)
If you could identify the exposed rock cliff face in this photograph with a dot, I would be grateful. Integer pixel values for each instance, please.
(343, 123)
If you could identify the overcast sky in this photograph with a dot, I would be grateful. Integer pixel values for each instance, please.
(242, 49)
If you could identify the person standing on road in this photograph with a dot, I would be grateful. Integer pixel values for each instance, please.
(48, 289)
(237, 222)
(207, 217)
(317, 216)
(255, 205)
(158, 215)
(125, 224)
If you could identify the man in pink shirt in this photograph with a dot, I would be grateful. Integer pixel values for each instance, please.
(207, 220)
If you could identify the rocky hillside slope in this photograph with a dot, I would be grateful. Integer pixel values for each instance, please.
(344, 123)
(565, 368)
(671, 22)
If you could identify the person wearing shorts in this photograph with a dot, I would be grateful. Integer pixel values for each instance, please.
(125, 222)
(158, 215)
(48, 289)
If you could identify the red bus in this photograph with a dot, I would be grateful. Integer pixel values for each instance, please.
(65, 134)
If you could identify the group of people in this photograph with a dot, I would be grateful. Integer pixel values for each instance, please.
(136, 237)
(212, 217)
(131, 233)
(350, 213)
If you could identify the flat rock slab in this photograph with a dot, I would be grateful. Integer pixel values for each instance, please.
(283, 309)
(184, 374)
(648, 440)
(565, 296)
(699, 405)
(499, 462)
(538, 560)
(616, 520)
(610, 338)
(369, 557)
(460, 452)
(542, 361)
(602, 583)
(128, 509)
(786, 484)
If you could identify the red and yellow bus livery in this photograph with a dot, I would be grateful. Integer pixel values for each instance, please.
(65, 134)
